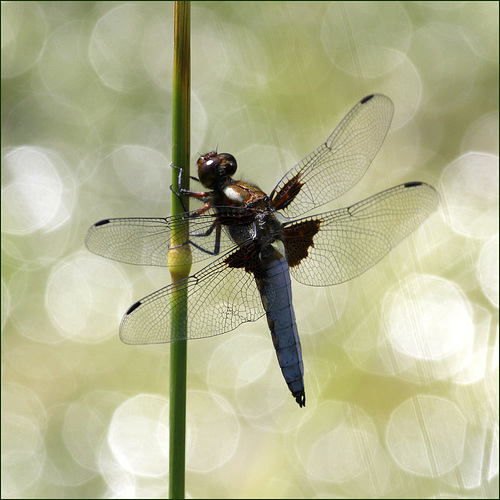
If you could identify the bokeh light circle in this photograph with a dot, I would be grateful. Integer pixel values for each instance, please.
(469, 189)
(24, 35)
(37, 190)
(23, 450)
(487, 269)
(213, 431)
(143, 171)
(86, 296)
(112, 48)
(446, 85)
(341, 446)
(240, 360)
(386, 36)
(482, 135)
(426, 434)
(138, 435)
(428, 323)
(5, 311)
(86, 134)
(428, 318)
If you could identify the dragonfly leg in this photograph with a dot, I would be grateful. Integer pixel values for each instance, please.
(204, 250)
(185, 192)
(179, 196)
(179, 178)
(218, 228)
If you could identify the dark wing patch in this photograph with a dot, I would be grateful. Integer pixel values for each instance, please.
(298, 238)
(246, 257)
(287, 193)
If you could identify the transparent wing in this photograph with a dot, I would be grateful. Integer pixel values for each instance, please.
(352, 240)
(220, 298)
(146, 241)
(338, 164)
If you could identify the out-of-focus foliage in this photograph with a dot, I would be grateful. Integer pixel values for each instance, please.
(401, 364)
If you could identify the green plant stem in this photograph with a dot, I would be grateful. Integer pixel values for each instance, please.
(180, 158)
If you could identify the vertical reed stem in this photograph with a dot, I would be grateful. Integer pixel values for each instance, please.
(180, 158)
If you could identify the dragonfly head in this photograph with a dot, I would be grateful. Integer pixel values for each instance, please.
(214, 167)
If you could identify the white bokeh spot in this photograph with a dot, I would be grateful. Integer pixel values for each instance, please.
(138, 435)
(427, 318)
(35, 190)
(426, 434)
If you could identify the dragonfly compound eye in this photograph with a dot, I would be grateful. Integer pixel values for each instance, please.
(228, 163)
(208, 166)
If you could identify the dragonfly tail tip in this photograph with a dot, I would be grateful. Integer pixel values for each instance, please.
(300, 398)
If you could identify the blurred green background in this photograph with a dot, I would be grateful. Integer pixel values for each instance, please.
(401, 364)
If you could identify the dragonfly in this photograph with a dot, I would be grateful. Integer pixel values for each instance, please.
(257, 241)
